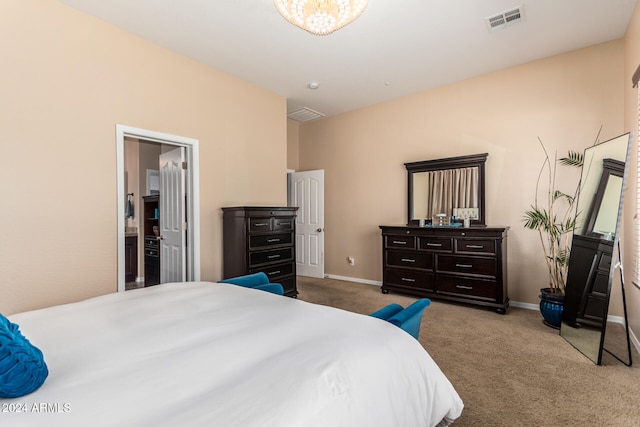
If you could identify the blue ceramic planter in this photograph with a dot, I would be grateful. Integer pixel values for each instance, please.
(551, 307)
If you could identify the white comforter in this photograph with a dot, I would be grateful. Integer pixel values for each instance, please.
(210, 354)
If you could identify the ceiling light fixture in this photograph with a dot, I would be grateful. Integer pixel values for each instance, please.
(320, 17)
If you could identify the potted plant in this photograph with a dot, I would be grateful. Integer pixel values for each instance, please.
(554, 218)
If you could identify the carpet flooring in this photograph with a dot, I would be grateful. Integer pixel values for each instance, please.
(510, 370)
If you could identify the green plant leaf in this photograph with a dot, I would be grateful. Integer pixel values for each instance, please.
(573, 158)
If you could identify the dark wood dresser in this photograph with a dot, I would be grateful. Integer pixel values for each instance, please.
(467, 265)
(258, 238)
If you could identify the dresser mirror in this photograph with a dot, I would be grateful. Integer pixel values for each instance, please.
(594, 253)
(437, 187)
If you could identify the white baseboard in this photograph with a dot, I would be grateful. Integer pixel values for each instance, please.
(526, 305)
(353, 279)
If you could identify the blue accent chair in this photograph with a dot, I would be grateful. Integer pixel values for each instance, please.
(408, 319)
(256, 281)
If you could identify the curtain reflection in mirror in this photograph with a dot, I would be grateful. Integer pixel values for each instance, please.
(445, 190)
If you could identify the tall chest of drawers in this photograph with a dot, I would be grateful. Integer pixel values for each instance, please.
(258, 238)
(467, 265)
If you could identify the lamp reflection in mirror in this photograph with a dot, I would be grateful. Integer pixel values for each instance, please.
(320, 17)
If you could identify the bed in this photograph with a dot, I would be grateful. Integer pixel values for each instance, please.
(213, 354)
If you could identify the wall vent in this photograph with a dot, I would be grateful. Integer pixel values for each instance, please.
(505, 19)
(304, 114)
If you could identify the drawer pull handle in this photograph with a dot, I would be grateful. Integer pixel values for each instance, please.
(475, 246)
(272, 240)
(404, 279)
(271, 273)
(464, 265)
(285, 223)
(464, 287)
(273, 256)
(399, 242)
(261, 224)
(407, 260)
(436, 245)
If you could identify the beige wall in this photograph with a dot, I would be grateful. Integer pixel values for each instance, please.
(563, 100)
(293, 145)
(67, 80)
(632, 60)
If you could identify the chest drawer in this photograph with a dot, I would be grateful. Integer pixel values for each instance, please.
(282, 224)
(266, 240)
(478, 246)
(259, 225)
(453, 285)
(404, 242)
(410, 259)
(433, 243)
(467, 265)
(273, 256)
(410, 279)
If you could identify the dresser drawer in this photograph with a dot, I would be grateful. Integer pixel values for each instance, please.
(467, 265)
(411, 259)
(267, 240)
(275, 271)
(478, 246)
(432, 243)
(409, 278)
(152, 242)
(273, 256)
(468, 287)
(283, 224)
(605, 262)
(406, 242)
(259, 225)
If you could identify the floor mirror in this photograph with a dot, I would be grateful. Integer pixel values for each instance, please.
(594, 264)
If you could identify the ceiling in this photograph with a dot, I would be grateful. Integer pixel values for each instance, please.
(396, 48)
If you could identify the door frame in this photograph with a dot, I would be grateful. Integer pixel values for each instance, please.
(192, 188)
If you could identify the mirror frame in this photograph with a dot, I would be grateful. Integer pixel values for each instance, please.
(473, 160)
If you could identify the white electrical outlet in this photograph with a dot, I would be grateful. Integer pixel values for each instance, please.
(351, 260)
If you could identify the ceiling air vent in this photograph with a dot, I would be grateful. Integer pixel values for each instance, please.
(505, 19)
(304, 114)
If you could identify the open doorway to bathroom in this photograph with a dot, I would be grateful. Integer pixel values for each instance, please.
(138, 163)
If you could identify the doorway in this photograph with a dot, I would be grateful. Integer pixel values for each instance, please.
(192, 191)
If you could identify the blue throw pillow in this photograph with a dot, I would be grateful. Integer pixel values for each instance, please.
(22, 366)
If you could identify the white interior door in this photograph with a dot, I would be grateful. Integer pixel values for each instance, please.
(172, 217)
(306, 191)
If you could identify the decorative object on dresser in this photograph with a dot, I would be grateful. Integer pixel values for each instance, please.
(466, 265)
(151, 242)
(261, 239)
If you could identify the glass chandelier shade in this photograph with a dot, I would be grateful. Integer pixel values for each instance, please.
(320, 17)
